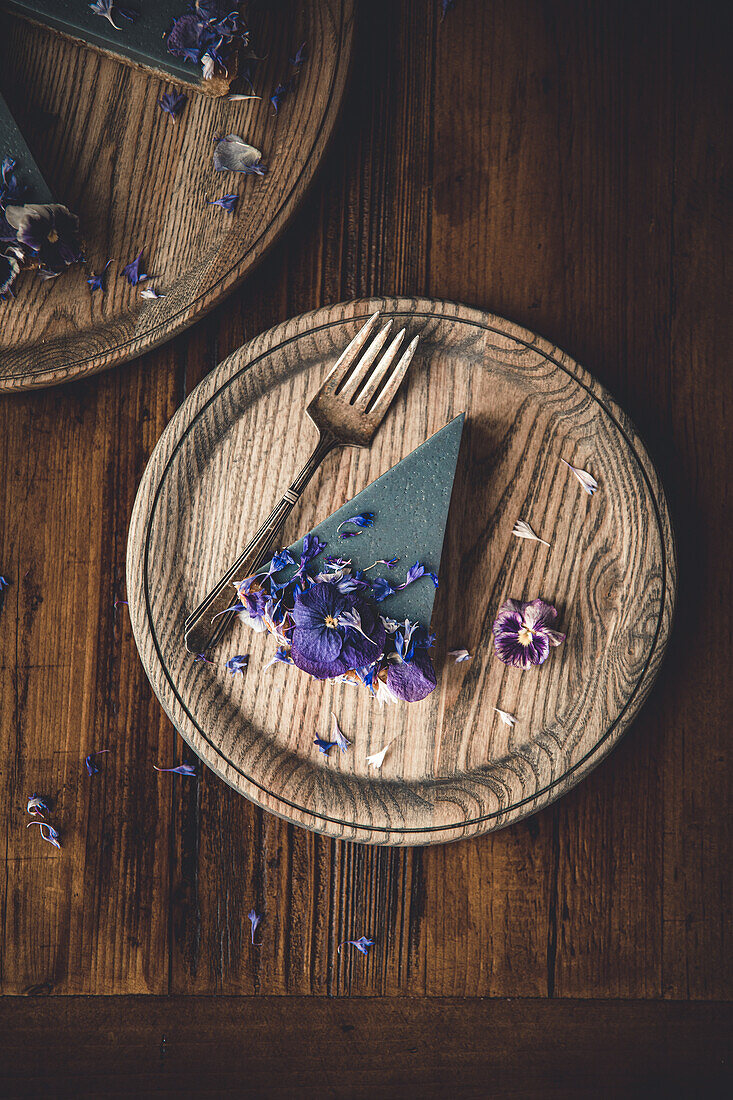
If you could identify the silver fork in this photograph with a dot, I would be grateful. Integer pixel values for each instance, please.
(347, 410)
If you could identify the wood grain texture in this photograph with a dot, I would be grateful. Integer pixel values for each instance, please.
(597, 147)
(139, 180)
(365, 1047)
(453, 768)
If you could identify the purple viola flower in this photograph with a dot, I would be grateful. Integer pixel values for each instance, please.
(227, 202)
(522, 633)
(49, 231)
(326, 645)
(412, 680)
(237, 664)
(132, 271)
(172, 103)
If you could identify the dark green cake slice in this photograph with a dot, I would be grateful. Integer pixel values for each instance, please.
(13, 145)
(410, 503)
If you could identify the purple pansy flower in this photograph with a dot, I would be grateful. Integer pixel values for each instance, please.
(522, 633)
(172, 103)
(132, 271)
(410, 673)
(326, 640)
(49, 231)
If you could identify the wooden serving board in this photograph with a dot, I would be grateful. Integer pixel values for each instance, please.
(138, 180)
(453, 768)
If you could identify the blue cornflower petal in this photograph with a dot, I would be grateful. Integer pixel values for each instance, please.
(254, 919)
(182, 769)
(227, 202)
(238, 664)
(324, 746)
(91, 766)
(132, 271)
(172, 103)
(362, 944)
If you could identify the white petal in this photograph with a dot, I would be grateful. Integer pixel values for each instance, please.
(507, 718)
(523, 530)
(460, 655)
(377, 759)
(587, 480)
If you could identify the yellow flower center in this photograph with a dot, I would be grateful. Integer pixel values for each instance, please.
(53, 236)
(525, 636)
(330, 621)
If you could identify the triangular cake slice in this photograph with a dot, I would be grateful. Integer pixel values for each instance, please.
(410, 503)
(13, 146)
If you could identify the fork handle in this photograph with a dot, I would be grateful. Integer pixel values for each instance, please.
(205, 626)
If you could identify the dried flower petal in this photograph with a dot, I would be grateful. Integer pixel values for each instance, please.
(97, 281)
(233, 154)
(47, 832)
(507, 718)
(460, 655)
(108, 9)
(238, 664)
(92, 767)
(587, 480)
(362, 944)
(522, 634)
(172, 103)
(377, 758)
(301, 55)
(132, 271)
(338, 735)
(227, 202)
(281, 91)
(182, 769)
(324, 746)
(37, 806)
(522, 530)
(254, 920)
(364, 519)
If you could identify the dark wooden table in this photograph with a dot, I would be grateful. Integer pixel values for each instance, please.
(560, 163)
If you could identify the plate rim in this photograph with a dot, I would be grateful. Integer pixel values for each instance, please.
(140, 344)
(322, 319)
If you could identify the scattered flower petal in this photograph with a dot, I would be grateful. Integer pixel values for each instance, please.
(301, 55)
(587, 480)
(522, 634)
(108, 9)
(182, 769)
(460, 655)
(364, 519)
(523, 530)
(338, 735)
(227, 202)
(92, 767)
(150, 292)
(324, 746)
(172, 103)
(362, 944)
(132, 271)
(237, 665)
(281, 91)
(239, 98)
(47, 832)
(507, 718)
(254, 919)
(97, 281)
(377, 758)
(233, 154)
(37, 806)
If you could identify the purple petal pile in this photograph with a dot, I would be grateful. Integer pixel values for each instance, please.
(329, 625)
(44, 236)
(208, 34)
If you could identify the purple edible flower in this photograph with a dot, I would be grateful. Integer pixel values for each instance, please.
(233, 154)
(254, 920)
(97, 281)
(324, 746)
(37, 806)
(182, 769)
(338, 734)
(132, 271)
(47, 832)
(522, 633)
(108, 9)
(323, 644)
(172, 103)
(207, 34)
(301, 55)
(237, 664)
(362, 944)
(381, 588)
(227, 202)
(49, 231)
(281, 91)
(364, 519)
(202, 657)
(92, 767)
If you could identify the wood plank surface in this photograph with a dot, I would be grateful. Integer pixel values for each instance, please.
(314, 1047)
(560, 164)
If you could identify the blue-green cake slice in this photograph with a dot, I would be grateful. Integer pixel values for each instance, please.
(13, 145)
(410, 503)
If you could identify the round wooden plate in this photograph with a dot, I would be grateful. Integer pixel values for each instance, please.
(453, 768)
(139, 180)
